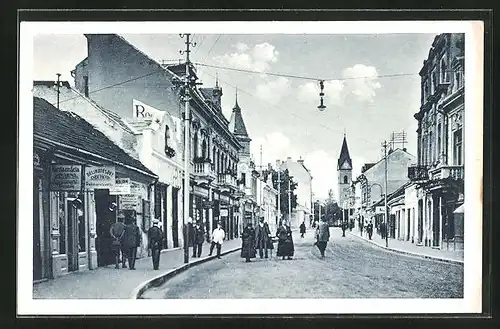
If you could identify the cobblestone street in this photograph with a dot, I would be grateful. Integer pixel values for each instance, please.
(352, 268)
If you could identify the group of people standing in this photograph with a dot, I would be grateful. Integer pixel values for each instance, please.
(126, 239)
(260, 238)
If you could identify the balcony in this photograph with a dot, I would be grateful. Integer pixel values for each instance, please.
(203, 171)
(227, 182)
(418, 173)
(447, 172)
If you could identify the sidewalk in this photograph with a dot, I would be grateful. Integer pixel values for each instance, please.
(110, 283)
(406, 247)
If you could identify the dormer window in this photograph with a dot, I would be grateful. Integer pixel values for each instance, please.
(169, 151)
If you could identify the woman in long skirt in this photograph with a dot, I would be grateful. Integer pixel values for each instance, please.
(285, 241)
(248, 243)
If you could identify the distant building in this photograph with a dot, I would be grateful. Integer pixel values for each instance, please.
(344, 181)
(302, 176)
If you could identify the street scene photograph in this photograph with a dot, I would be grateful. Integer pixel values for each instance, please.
(251, 164)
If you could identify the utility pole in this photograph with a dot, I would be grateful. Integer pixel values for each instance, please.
(58, 86)
(384, 145)
(189, 82)
(279, 192)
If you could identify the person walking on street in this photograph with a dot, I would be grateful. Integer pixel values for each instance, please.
(285, 241)
(369, 229)
(155, 239)
(117, 230)
(382, 230)
(262, 237)
(217, 238)
(361, 224)
(322, 236)
(248, 243)
(302, 229)
(344, 227)
(198, 239)
(131, 240)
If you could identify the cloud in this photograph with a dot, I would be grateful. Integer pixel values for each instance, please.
(323, 169)
(361, 82)
(275, 146)
(333, 89)
(273, 90)
(257, 58)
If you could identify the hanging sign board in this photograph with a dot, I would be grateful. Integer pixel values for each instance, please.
(128, 202)
(100, 177)
(379, 210)
(122, 187)
(65, 178)
(224, 212)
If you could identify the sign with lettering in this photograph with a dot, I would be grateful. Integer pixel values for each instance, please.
(142, 111)
(379, 210)
(129, 201)
(100, 177)
(65, 178)
(122, 187)
(224, 212)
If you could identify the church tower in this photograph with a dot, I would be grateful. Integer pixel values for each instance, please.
(344, 170)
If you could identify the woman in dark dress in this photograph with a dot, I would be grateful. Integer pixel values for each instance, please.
(285, 241)
(248, 243)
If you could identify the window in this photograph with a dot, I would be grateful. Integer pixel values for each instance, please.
(345, 180)
(81, 228)
(195, 145)
(430, 148)
(157, 201)
(439, 140)
(204, 149)
(86, 86)
(457, 147)
(62, 222)
(244, 178)
(444, 70)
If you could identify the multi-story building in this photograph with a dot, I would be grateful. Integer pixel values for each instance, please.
(437, 191)
(119, 76)
(370, 185)
(302, 176)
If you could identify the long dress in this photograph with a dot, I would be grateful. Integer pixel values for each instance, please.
(285, 242)
(248, 243)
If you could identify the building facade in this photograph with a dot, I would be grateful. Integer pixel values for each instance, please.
(214, 150)
(439, 174)
(75, 170)
(345, 193)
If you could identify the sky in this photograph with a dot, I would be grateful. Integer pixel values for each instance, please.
(372, 88)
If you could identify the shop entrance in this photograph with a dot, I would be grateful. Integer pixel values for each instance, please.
(408, 223)
(37, 250)
(420, 221)
(105, 217)
(175, 217)
(72, 216)
(436, 222)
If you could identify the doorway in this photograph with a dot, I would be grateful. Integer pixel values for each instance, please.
(37, 250)
(165, 216)
(105, 217)
(435, 222)
(408, 223)
(175, 217)
(420, 221)
(72, 216)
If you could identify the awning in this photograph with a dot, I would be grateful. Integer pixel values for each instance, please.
(459, 210)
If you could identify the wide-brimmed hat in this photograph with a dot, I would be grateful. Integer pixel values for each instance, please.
(155, 221)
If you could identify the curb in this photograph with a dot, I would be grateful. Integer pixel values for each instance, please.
(445, 260)
(162, 278)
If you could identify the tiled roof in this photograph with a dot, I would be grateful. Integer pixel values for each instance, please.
(236, 123)
(70, 129)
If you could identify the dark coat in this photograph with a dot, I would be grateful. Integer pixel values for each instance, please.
(262, 236)
(285, 241)
(248, 243)
(198, 235)
(302, 228)
(323, 232)
(155, 237)
(132, 236)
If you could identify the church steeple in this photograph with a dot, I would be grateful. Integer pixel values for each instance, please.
(345, 161)
(236, 123)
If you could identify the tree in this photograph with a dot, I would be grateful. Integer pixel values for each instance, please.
(333, 211)
(283, 188)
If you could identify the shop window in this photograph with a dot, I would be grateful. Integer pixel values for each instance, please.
(62, 222)
(81, 228)
(457, 147)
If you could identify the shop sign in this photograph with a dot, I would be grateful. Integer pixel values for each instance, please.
(66, 178)
(142, 111)
(129, 201)
(379, 210)
(135, 188)
(122, 187)
(99, 177)
(207, 204)
(224, 212)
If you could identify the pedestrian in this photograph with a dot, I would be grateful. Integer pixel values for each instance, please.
(262, 237)
(285, 241)
(217, 238)
(369, 229)
(131, 240)
(302, 229)
(322, 236)
(362, 223)
(198, 239)
(248, 243)
(117, 231)
(190, 232)
(382, 230)
(344, 227)
(155, 240)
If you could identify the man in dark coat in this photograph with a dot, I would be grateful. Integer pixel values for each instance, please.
(369, 229)
(302, 229)
(198, 239)
(131, 240)
(285, 241)
(117, 230)
(155, 239)
(262, 236)
(383, 231)
(248, 243)
(322, 236)
(344, 227)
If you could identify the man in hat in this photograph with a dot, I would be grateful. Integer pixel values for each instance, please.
(155, 239)
(217, 239)
(262, 236)
(117, 231)
(198, 239)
